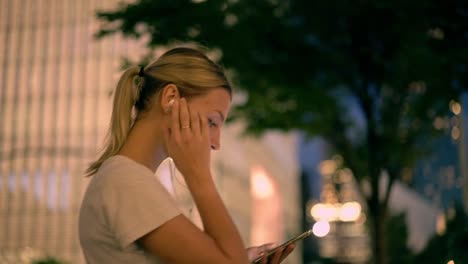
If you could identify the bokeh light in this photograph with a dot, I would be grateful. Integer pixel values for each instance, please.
(327, 167)
(350, 212)
(455, 133)
(321, 228)
(455, 107)
(347, 212)
(262, 186)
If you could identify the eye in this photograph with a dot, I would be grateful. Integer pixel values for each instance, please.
(212, 123)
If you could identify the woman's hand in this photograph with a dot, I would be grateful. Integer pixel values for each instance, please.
(276, 258)
(187, 141)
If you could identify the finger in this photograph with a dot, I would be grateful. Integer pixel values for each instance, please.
(288, 251)
(203, 125)
(276, 258)
(269, 246)
(184, 116)
(175, 123)
(195, 122)
(252, 253)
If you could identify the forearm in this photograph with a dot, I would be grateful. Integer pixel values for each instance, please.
(216, 219)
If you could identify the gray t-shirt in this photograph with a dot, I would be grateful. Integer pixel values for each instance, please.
(123, 202)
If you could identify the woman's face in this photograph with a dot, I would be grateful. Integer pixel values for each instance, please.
(213, 105)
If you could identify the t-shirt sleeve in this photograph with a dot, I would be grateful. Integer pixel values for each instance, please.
(134, 204)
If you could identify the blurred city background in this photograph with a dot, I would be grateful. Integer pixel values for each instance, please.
(350, 119)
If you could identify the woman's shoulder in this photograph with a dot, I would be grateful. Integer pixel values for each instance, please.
(120, 163)
(118, 170)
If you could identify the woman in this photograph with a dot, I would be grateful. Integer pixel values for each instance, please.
(176, 110)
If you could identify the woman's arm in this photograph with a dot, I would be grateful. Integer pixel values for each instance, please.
(178, 240)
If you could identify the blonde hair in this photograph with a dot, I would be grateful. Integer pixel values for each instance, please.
(190, 70)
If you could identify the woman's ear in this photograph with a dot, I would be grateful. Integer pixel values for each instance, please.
(169, 93)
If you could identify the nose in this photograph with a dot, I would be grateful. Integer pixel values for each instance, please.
(215, 139)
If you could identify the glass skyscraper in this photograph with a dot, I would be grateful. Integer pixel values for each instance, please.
(55, 95)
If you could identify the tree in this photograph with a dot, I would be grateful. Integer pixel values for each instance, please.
(397, 238)
(451, 245)
(303, 63)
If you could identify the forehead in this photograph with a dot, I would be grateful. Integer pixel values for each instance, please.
(215, 100)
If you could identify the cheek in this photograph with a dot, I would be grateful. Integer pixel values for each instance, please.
(213, 132)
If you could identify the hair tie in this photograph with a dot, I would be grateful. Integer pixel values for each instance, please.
(141, 73)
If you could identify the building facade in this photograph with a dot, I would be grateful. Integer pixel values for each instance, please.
(464, 147)
(56, 83)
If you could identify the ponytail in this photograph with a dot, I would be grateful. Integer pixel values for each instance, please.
(126, 94)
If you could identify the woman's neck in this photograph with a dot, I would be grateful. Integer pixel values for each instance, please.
(145, 143)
